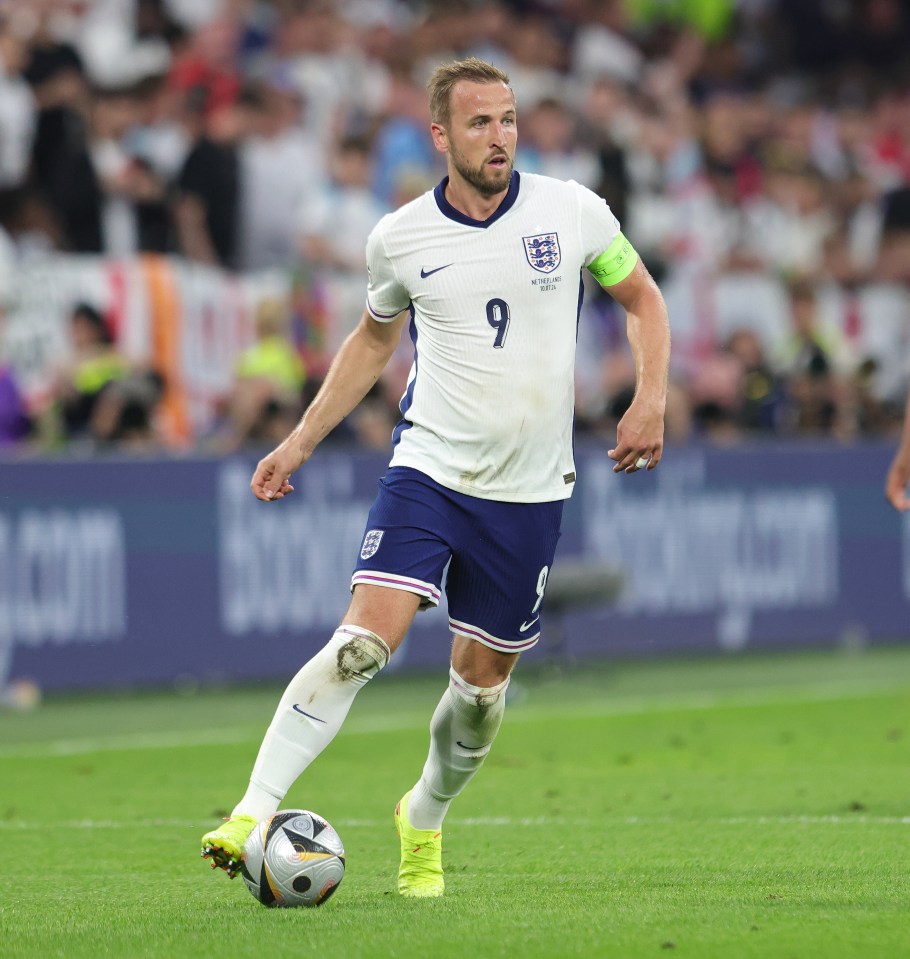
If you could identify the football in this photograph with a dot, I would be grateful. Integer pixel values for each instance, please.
(294, 858)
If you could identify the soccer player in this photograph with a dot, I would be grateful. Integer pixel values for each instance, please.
(899, 472)
(485, 270)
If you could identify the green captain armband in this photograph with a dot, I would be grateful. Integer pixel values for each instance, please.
(615, 263)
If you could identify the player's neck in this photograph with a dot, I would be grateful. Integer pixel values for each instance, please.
(470, 201)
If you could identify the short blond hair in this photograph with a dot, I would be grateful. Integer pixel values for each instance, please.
(272, 316)
(444, 78)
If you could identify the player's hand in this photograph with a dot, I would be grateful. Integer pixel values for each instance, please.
(272, 478)
(639, 438)
(897, 482)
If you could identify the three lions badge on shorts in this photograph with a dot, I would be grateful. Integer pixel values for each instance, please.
(371, 543)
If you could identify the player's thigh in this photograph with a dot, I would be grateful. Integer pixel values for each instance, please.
(498, 573)
(403, 554)
(386, 612)
(478, 664)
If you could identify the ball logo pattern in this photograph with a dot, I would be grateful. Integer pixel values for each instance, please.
(294, 858)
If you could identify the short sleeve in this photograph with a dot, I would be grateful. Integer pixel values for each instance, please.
(598, 226)
(386, 297)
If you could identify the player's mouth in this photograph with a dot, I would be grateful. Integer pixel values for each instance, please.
(498, 161)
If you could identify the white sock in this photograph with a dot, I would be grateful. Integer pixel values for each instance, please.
(309, 715)
(462, 731)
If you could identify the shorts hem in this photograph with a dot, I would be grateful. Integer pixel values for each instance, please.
(428, 593)
(494, 642)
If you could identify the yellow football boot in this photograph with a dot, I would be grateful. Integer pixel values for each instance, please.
(420, 872)
(224, 845)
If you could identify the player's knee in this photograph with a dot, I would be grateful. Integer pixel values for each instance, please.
(479, 665)
(483, 698)
(359, 653)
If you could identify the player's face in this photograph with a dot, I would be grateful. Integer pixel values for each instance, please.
(481, 135)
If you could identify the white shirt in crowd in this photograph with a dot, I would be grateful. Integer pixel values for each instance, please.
(278, 174)
(18, 113)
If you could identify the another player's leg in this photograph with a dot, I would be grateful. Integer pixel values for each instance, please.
(462, 731)
(312, 710)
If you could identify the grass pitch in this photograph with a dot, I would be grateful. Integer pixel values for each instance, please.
(757, 806)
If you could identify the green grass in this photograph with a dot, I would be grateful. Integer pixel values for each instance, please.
(757, 806)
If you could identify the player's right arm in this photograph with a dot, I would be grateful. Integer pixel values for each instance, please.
(899, 472)
(356, 368)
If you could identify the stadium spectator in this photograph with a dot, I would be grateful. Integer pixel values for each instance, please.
(56, 73)
(125, 412)
(372, 423)
(156, 137)
(206, 204)
(716, 393)
(604, 48)
(853, 250)
(122, 44)
(538, 55)
(790, 223)
(15, 422)
(400, 148)
(29, 226)
(810, 341)
(266, 396)
(762, 397)
(894, 264)
(879, 34)
(491, 23)
(8, 264)
(282, 169)
(18, 110)
(95, 364)
(207, 65)
(815, 360)
(334, 226)
(607, 126)
(320, 48)
(552, 146)
(109, 201)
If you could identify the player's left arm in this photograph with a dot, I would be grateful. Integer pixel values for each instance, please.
(640, 432)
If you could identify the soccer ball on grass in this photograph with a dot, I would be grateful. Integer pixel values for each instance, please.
(294, 858)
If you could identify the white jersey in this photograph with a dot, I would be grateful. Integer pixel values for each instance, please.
(489, 405)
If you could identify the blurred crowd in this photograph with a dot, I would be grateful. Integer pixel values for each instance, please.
(755, 137)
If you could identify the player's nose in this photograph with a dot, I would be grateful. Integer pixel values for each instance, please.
(497, 134)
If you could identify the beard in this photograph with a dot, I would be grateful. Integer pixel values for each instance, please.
(486, 181)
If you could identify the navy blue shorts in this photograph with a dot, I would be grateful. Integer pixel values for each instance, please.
(499, 555)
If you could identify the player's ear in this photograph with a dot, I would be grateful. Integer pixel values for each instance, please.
(440, 137)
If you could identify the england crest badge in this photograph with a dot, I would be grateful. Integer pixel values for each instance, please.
(371, 543)
(542, 251)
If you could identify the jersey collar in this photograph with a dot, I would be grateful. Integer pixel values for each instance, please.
(446, 208)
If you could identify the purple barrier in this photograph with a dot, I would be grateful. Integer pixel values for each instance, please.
(125, 572)
(759, 546)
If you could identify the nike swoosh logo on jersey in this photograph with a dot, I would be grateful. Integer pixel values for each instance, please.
(425, 273)
(472, 749)
(525, 626)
